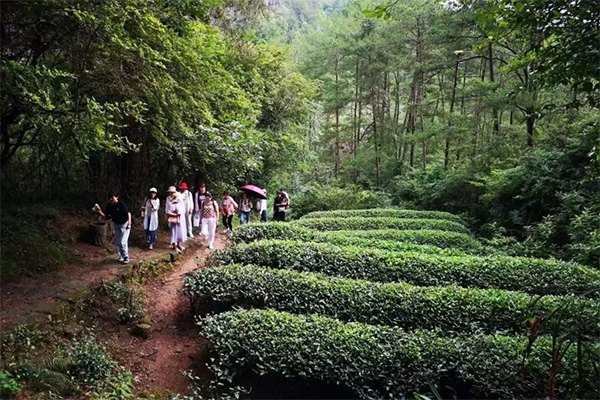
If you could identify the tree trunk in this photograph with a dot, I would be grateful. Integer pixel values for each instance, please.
(99, 233)
(375, 139)
(355, 111)
(452, 101)
(496, 129)
(337, 121)
(530, 122)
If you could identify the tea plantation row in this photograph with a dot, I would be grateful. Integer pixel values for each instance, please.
(390, 303)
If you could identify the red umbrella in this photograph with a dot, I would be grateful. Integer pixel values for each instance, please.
(252, 190)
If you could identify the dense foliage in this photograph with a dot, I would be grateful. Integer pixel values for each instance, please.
(484, 108)
(384, 362)
(530, 275)
(318, 197)
(451, 309)
(132, 94)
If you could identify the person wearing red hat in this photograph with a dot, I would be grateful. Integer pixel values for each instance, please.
(188, 202)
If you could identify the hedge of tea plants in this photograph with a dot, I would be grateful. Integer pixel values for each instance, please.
(384, 212)
(387, 362)
(396, 304)
(361, 223)
(277, 230)
(390, 303)
(530, 275)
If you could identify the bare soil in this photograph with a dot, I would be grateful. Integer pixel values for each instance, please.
(173, 346)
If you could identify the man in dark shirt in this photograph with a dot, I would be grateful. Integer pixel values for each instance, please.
(118, 213)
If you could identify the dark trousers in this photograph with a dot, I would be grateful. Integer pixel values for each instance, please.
(228, 221)
(279, 216)
(263, 216)
(150, 236)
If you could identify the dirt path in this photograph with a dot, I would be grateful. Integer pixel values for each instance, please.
(26, 299)
(173, 346)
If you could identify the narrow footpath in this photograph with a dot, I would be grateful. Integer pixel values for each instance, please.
(174, 345)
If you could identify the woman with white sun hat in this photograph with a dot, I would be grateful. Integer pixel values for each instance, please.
(150, 215)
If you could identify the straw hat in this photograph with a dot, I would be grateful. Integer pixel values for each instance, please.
(171, 189)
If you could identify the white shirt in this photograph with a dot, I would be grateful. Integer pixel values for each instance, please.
(262, 205)
(151, 214)
(188, 201)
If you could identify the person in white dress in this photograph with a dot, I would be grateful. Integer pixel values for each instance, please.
(188, 202)
(150, 215)
(175, 211)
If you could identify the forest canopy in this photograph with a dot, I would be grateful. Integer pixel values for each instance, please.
(488, 108)
(126, 94)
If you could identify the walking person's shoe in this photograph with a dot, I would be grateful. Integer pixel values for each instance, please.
(126, 261)
(210, 246)
(120, 260)
(151, 246)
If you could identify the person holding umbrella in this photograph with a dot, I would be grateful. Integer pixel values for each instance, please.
(255, 191)
(245, 209)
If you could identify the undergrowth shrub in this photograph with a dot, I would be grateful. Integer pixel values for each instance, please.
(124, 301)
(319, 197)
(385, 212)
(386, 362)
(529, 275)
(443, 239)
(29, 243)
(396, 304)
(82, 365)
(361, 223)
(61, 366)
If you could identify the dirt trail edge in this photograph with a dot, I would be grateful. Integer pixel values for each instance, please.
(173, 346)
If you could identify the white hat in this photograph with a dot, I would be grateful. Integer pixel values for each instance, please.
(153, 190)
(171, 189)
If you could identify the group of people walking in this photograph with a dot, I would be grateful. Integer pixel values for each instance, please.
(183, 212)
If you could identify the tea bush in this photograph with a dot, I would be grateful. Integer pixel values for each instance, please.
(530, 275)
(385, 212)
(276, 230)
(361, 223)
(396, 304)
(386, 362)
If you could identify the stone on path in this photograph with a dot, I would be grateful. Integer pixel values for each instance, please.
(141, 330)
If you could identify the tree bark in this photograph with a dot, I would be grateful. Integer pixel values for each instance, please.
(496, 128)
(452, 102)
(337, 120)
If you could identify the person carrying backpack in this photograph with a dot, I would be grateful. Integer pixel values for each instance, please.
(209, 212)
